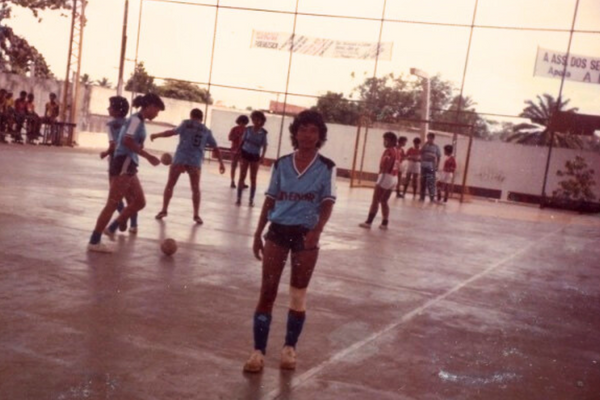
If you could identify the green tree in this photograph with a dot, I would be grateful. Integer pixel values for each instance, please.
(337, 109)
(104, 82)
(540, 114)
(17, 55)
(140, 81)
(466, 116)
(85, 80)
(578, 183)
(183, 90)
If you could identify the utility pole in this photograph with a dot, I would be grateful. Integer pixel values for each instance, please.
(123, 50)
(69, 103)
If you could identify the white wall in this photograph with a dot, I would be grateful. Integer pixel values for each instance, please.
(495, 165)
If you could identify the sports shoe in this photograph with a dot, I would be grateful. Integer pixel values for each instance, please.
(251, 203)
(99, 248)
(383, 227)
(161, 215)
(232, 185)
(198, 220)
(133, 229)
(123, 226)
(288, 358)
(238, 202)
(255, 363)
(365, 225)
(110, 234)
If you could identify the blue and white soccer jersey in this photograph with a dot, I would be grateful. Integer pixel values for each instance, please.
(135, 129)
(193, 139)
(254, 141)
(298, 196)
(114, 128)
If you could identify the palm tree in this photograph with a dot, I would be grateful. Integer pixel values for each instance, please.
(85, 79)
(540, 114)
(104, 82)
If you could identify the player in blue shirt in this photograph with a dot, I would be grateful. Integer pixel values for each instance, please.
(253, 149)
(194, 136)
(123, 169)
(118, 107)
(299, 203)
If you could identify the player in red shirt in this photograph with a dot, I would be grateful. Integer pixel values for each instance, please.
(235, 137)
(386, 182)
(447, 174)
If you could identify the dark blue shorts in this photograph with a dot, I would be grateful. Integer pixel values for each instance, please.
(250, 157)
(288, 236)
(122, 165)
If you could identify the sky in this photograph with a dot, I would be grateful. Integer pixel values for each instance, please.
(176, 42)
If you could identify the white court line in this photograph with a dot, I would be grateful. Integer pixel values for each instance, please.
(306, 376)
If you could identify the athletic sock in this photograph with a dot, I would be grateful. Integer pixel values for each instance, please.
(295, 322)
(133, 220)
(95, 239)
(262, 324)
(120, 206)
(113, 226)
(370, 218)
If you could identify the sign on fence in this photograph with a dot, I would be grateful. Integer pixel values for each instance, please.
(551, 64)
(321, 47)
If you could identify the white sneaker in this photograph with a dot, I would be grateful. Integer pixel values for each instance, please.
(99, 248)
(255, 363)
(133, 229)
(365, 225)
(288, 358)
(111, 235)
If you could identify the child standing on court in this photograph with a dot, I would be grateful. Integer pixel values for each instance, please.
(123, 169)
(447, 174)
(235, 137)
(299, 203)
(252, 150)
(414, 166)
(386, 182)
(194, 136)
(401, 165)
(430, 160)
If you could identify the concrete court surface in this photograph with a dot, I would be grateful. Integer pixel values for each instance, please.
(474, 301)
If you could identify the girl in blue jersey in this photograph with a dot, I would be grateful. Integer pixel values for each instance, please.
(123, 169)
(118, 107)
(253, 149)
(299, 203)
(194, 136)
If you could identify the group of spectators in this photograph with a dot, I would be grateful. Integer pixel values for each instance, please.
(20, 121)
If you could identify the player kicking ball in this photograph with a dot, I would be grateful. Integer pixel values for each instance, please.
(194, 136)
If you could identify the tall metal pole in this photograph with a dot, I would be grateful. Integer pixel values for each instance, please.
(123, 50)
(557, 108)
(212, 57)
(63, 111)
(287, 82)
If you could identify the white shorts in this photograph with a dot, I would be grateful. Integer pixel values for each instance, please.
(387, 181)
(403, 167)
(445, 177)
(414, 167)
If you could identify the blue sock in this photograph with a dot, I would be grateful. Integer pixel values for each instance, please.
(95, 239)
(133, 220)
(262, 324)
(113, 226)
(295, 323)
(120, 206)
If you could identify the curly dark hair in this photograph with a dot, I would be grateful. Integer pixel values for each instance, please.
(120, 105)
(391, 136)
(308, 117)
(259, 115)
(149, 99)
(242, 119)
